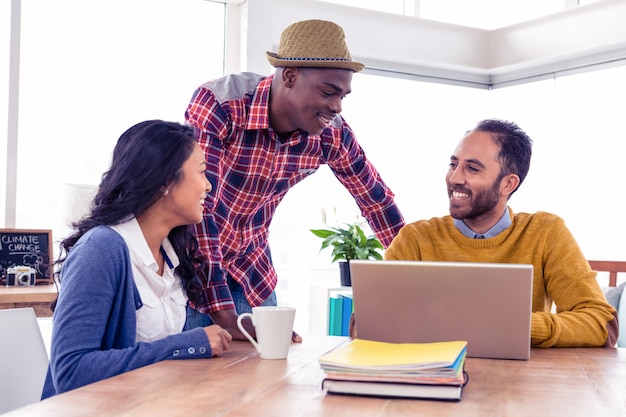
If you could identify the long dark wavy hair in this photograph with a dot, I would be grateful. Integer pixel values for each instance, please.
(147, 158)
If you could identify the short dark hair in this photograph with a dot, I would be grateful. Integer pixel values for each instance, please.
(515, 146)
(147, 158)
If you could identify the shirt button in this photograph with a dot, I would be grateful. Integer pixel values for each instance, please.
(202, 350)
(191, 350)
(176, 352)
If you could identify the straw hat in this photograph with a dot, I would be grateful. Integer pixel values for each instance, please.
(313, 43)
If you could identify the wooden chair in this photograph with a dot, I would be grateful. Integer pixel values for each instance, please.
(612, 267)
(614, 294)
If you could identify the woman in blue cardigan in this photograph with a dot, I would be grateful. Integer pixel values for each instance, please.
(130, 265)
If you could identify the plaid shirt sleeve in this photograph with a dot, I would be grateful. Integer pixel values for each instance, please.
(348, 162)
(205, 113)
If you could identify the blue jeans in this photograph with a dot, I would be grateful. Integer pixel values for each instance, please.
(198, 319)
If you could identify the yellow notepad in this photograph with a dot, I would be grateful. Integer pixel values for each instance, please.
(368, 354)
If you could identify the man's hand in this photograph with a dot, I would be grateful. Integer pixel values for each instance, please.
(219, 339)
(352, 327)
(228, 320)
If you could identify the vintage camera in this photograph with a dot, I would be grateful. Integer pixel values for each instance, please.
(21, 275)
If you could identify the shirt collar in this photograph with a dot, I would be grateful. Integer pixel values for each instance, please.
(136, 242)
(503, 224)
(259, 114)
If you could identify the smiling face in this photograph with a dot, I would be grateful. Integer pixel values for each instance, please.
(477, 191)
(187, 195)
(312, 98)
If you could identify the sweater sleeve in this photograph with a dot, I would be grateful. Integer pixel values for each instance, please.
(94, 328)
(405, 246)
(583, 317)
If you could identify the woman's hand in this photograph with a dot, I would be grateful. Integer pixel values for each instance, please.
(219, 339)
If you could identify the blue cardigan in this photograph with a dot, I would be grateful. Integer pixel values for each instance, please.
(94, 323)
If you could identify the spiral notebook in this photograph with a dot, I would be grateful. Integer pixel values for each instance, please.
(486, 304)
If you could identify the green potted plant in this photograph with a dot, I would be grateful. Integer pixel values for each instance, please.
(348, 242)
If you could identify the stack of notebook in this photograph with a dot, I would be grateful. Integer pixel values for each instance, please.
(407, 370)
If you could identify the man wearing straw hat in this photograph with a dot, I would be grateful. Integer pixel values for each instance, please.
(262, 135)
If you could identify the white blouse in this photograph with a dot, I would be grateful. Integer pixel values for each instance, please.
(164, 301)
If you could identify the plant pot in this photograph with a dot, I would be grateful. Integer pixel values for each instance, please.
(344, 274)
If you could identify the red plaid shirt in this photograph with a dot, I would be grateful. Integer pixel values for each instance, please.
(251, 171)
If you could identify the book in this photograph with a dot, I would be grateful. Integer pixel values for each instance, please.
(346, 312)
(335, 316)
(393, 390)
(363, 354)
(416, 370)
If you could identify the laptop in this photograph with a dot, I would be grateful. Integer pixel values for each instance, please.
(486, 304)
(23, 359)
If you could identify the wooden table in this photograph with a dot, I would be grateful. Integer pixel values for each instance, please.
(39, 297)
(554, 382)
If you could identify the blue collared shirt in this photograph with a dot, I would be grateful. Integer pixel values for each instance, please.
(503, 223)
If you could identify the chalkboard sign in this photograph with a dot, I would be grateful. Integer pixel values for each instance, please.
(30, 248)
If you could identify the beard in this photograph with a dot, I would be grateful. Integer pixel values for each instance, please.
(483, 202)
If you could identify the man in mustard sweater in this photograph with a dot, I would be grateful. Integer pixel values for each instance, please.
(488, 165)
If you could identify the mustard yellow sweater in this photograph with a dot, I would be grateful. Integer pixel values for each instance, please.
(583, 317)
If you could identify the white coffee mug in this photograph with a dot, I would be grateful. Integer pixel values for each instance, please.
(274, 326)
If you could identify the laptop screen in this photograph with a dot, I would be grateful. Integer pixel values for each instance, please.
(486, 304)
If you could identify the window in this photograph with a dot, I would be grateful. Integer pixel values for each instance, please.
(5, 27)
(409, 130)
(90, 70)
